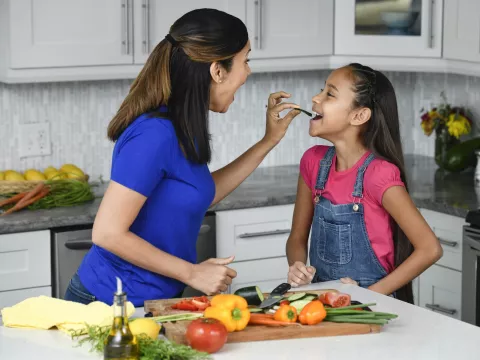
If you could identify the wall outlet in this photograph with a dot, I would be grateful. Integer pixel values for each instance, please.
(35, 139)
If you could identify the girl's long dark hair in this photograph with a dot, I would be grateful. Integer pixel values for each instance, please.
(177, 74)
(382, 136)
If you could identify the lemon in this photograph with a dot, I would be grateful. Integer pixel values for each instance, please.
(34, 175)
(2, 175)
(49, 170)
(12, 175)
(72, 171)
(55, 175)
(145, 326)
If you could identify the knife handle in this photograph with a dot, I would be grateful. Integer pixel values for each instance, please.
(281, 289)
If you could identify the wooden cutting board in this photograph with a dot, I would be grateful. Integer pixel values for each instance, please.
(176, 331)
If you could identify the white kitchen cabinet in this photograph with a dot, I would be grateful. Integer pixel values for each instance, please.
(440, 291)
(25, 260)
(284, 28)
(461, 39)
(13, 297)
(58, 33)
(153, 19)
(256, 233)
(374, 28)
(267, 274)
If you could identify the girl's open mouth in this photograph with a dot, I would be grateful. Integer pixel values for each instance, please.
(317, 116)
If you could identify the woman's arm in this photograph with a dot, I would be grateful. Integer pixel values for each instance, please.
(297, 243)
(118, 210)
(427, 248)
(229, 177)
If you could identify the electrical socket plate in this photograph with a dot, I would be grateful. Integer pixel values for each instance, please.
(35, 139)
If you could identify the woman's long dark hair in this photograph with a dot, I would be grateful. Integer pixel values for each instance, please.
(177, 74)
(382, 136)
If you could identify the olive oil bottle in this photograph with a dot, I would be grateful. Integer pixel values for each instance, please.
(120, 344)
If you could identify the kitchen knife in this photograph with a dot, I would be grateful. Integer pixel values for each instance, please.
(275, 296)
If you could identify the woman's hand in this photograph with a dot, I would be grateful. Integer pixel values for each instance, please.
(299, 274)
(212, 276)
(277, 126)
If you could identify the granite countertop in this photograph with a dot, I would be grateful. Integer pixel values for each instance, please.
(430, 188)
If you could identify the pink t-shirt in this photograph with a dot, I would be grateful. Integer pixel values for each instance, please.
(379, 176)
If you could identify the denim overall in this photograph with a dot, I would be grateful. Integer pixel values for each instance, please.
(339, 243)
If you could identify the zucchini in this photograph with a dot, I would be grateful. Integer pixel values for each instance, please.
(300, 304)
(252, 294)
(296, 296)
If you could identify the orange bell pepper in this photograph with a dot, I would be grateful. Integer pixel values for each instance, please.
(313, 313)
(286, 313)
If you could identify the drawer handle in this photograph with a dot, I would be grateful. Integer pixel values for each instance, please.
(204, 229)
(438, 308)
(447, 242)
(264, 233)
(78, 244)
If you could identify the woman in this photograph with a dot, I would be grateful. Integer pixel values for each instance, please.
(146, 227)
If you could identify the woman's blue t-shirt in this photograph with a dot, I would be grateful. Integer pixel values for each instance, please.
(147, 159)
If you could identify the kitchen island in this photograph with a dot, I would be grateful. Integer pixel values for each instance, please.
(416, 334)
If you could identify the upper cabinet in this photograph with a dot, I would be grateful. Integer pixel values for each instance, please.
(461, 40)
(277, 28)
(153, 19)
(402, 28)
(59, 33)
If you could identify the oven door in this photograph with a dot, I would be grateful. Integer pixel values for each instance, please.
(471, 276)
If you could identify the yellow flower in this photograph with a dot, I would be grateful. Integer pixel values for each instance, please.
(427, 126)
(458, 125)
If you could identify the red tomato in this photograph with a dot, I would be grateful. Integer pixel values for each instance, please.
(335, 300)
(284, 302)
(205, 334)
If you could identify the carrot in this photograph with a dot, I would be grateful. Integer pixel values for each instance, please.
(19, 206)
(13, 199)
(31, 194)
(266, 321)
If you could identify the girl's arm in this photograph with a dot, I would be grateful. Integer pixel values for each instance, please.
(229, 177)
(427, 248)
(297, 243)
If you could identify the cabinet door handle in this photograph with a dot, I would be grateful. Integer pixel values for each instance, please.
(258, 23)
(438, 308)
(448, 242)
(430, 24)
(79, 244)
(124, 27)
(204, 229)
(146, 26)
(264, 233)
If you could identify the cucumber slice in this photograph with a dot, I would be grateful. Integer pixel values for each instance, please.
(297, 296)
(255, 310)
(309, 297)
(252, 294)
(300, 304)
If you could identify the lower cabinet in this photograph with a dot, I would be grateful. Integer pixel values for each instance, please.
(25, 266)
(440, 291)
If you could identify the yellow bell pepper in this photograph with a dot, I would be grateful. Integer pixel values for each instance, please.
(231, 310)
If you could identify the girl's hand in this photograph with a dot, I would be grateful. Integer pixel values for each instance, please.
(348, 281)
(299, 274)
(276, 126)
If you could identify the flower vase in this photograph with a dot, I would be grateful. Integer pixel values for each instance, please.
(443, 142)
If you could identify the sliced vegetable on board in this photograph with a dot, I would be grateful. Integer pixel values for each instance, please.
(335, 299)
(252, 294)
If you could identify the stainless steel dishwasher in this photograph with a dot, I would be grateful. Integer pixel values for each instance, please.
(70, 244)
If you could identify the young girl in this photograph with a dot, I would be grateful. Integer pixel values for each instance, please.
(354, 194)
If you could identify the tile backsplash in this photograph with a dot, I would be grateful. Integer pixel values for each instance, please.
(78, 114)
